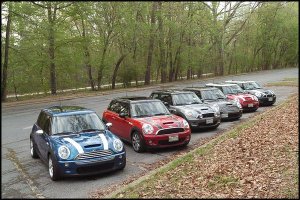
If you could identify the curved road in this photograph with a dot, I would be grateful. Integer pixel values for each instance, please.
(24, 177)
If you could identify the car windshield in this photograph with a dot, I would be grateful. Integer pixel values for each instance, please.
(76, 123)
(252, 86)
(148, 109)
(212, 94)
(233, 89)
(185, 99)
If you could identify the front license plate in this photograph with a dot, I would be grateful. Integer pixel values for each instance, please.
(173, 138)
(209, 121)
(250, 105)
(270, 98)
(224, 115)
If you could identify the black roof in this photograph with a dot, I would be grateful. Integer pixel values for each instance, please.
(133, 98)
(61, 110)
(200, 88)
(171, 91)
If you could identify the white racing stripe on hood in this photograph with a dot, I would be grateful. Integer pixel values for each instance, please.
(104, 141)
(75, 144)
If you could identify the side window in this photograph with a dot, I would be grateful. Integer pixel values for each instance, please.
(42, 120)
(124, 108)
(154, 96)
(115, 107)
(198, 93)
(47, 127)
(166, 98)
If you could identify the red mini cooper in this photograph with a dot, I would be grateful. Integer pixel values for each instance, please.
(146, 122)
(248, 102)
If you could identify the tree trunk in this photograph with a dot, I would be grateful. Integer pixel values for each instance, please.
(162, 62)
(87, 58)
(151, 45)
(114, 76)
(51, 19)
(101, 66)
(5, 64)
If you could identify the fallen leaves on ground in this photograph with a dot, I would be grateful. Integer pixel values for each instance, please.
(261, 162)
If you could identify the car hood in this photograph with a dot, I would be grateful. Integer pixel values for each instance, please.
(221, 102)
(261, 90)
(200, 108)
(162, 122)
(84, 142)
(243, 96)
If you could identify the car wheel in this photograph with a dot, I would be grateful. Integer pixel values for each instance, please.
(137, 143)
(33, 152)
(52, 168)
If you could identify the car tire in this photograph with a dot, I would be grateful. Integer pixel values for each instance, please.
(137, 142)
(33, 152)
(52, 168)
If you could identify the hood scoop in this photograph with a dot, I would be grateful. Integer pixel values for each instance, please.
(92, 145)
(204, 108)
(168, 122)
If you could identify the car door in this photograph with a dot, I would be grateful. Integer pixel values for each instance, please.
(110, 115)
(42, 140)
(124, 124)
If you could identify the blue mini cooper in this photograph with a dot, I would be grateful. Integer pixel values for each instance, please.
(73, 141)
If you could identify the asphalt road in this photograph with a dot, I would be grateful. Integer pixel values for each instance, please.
(24, 177)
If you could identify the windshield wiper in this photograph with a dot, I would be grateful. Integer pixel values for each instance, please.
(143, 116)
(65, 133)
(195, 102)
(160, 114)
(91, 129)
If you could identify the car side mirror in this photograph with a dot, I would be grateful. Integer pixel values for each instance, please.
(39, 132)
(108, 124)
(122, 115)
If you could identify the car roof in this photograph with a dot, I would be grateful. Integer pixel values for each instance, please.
(66, 110)
(232, 81)
(220, 84)
(201, 88)
(131, 99)
(171, 91)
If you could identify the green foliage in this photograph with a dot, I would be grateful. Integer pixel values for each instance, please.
(195, 35)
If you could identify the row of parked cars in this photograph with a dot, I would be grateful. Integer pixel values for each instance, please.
(73, 140)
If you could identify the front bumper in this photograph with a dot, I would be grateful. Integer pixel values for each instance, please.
(167, 140)
(211, 122)
(250, 105)
(93, 165)
(230, 115)
(266, 101)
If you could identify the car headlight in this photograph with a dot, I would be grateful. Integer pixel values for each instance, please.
(191, 114)
(63, 152)
(255, 98)
(216, 108)
(185, 124)
(118, 145)
(238, 104)
(258, 94)
(271, 92)
(147, 129)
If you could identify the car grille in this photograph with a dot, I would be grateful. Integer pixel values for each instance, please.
(95, 168)
(170, 131)
(208, 115)
(233, 115)
(94, 154)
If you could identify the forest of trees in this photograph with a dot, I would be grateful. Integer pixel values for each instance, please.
(51, 46)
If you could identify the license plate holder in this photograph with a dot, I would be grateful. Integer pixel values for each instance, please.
(270, 98)
(173, 138)
(209, 121)
(250, 105)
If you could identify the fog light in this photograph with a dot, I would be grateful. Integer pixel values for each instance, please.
(120, 156)
(66, 164)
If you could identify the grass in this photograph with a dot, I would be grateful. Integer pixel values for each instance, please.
(286, 82)
(217, 181)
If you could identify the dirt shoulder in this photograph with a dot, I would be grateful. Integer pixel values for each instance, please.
(257, 159)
